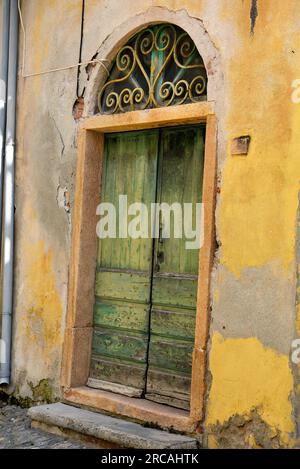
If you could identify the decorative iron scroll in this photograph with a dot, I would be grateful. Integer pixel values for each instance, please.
(160, 66)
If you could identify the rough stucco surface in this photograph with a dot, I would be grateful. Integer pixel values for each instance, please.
(251, 388)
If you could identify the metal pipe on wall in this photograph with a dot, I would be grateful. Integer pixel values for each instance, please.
(3, 90)
(8, 194)
(3, 105)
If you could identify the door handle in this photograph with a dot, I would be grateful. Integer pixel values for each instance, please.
(160, 254)
(160, 235)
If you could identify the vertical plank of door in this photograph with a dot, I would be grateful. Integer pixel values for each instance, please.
(123, 278)
(175, 283)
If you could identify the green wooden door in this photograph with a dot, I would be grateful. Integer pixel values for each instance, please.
(144, 316)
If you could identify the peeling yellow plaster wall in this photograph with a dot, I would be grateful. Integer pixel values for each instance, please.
(259, 195)
(39, 322)
(258, 205)
(42, 244)
(44, 317)
(247, 376)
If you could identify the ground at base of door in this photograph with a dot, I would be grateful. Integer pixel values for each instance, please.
(15, 432)
(105, 431)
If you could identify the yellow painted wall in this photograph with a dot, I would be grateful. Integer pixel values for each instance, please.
(249, 377)
(249, 361)
(258, 213)
(265, 184)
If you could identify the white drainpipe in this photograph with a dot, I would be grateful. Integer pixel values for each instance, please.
(8, 193)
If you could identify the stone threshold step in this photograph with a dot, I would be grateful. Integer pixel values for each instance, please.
(120, 433)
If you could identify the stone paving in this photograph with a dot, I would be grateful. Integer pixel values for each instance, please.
(15, 432)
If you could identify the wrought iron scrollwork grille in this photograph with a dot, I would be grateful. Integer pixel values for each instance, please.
(160, 66)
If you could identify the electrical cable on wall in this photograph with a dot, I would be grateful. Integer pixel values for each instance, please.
(80, 50)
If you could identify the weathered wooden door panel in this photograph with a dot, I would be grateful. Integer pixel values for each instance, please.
(171, 353)
(122, 344)
(180, 324)
(129, 373)
(174, 290)
(127, 316)
(172, 387)
(129, 286)
(130, 169)
(180, 181)
(175, 271)
(123, 277)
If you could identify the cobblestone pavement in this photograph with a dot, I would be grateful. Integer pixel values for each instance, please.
(15, 432)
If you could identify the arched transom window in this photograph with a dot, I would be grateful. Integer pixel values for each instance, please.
(160, 66)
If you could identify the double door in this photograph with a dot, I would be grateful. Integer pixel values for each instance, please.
(146, 277)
